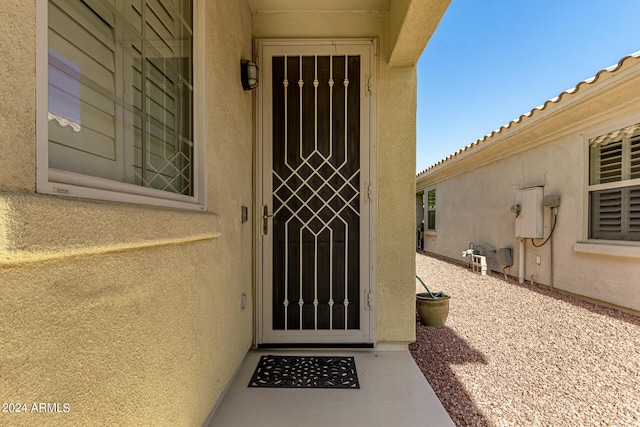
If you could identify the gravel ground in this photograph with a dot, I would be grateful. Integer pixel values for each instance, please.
(518, 355)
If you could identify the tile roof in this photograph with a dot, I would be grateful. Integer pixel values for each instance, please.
(561, 97)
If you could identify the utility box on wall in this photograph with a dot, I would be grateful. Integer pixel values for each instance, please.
(530, 220)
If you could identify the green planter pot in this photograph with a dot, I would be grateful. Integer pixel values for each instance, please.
(432, 311)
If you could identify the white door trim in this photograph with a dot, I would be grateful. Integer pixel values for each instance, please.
(368, 49)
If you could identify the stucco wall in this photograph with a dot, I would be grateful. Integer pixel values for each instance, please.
(474, 206)
(396, 200)
(17, 96)
(395, 153)
(130, 314)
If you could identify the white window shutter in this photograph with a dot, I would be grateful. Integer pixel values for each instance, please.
(121, 92)
(634, 155)
(610, 165)
(82, 89)
(634, 210)
(615, 202)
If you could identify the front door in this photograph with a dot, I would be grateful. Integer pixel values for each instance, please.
(316, 157)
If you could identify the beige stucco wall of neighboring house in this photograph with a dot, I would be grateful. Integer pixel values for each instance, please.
(476, 188)
(395, 154)
(130, 314)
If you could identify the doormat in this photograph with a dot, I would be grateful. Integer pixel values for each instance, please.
(305, 372)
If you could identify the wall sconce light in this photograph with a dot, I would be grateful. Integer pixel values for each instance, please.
(248, 74)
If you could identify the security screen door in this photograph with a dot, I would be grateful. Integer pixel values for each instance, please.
(316, 191)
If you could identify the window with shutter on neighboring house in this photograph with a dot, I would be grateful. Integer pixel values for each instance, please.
(121, 96)
(431, 209)
(614, 185)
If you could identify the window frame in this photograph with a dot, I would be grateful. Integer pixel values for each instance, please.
(427, 210)
(70, 184)
(591, 163)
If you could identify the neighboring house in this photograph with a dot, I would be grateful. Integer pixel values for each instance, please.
(581, 150)
(157, 220)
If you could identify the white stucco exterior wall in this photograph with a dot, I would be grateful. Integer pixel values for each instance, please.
(476, 188)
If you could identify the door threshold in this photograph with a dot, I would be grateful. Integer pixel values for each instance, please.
(314, 345)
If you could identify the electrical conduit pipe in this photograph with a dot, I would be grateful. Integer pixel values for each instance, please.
(521, 263)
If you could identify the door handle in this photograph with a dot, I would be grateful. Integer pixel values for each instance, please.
(265, 219)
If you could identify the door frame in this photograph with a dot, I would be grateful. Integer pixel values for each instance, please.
(368, 187)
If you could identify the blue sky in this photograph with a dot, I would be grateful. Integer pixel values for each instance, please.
(491, 61)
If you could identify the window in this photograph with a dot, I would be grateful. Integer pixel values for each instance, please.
(120, 102)
(614, 185)
(431, 209)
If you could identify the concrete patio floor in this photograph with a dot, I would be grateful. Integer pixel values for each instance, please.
(393, 392)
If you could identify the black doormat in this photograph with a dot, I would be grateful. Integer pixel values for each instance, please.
(305, 372)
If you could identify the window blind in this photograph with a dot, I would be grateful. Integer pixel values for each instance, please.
(121, 91)
(82, 89)
(615, 186)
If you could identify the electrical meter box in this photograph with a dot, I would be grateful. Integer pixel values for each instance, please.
(530, 220)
